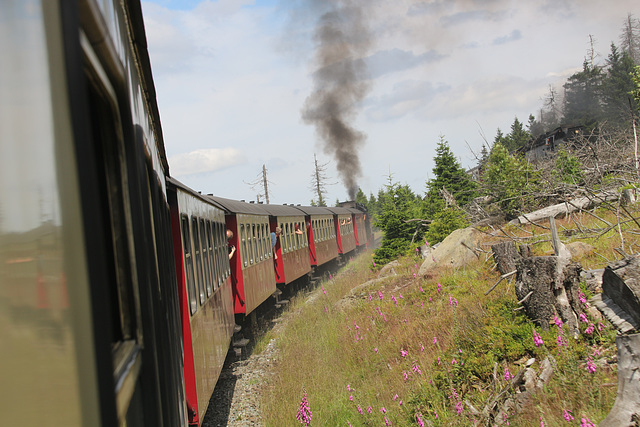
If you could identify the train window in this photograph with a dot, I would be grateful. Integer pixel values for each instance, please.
(213, 256)
(197, 255)
(267, 242)
(244, 246)
(218, 239)
(188, 264)
(261, 241)
(249, 243)
(254, 243)
(206, 262)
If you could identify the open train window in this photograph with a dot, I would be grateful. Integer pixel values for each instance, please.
(188, 264)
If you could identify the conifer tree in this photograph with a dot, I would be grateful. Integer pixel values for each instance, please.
(449, 175)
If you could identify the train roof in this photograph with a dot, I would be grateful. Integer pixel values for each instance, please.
(283, 210)
(341, 211)
(236, 206)
(175, 183)
(315, 210)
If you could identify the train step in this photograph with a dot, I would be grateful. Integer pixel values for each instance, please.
(237, 328)
(277, 293)
(280, 303)
(241, 343)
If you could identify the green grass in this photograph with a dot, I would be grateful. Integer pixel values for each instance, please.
(406, 346)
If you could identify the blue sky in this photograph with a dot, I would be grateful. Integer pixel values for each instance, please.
(232, 78)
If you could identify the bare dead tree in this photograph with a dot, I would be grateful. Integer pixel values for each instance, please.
(261, 182)
(319, 181)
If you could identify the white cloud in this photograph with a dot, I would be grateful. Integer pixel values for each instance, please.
(205, 160)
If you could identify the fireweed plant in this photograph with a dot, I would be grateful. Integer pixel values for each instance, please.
(410, 350)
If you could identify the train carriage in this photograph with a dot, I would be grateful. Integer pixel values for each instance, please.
(85, 226)
(345, 235)
(206, 301)
(252, 265)
(321, 235)
(292, 247)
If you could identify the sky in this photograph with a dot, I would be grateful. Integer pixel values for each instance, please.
(246, 83)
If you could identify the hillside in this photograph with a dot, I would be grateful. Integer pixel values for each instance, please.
(367, 348)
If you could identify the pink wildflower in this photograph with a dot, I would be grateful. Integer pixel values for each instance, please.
(419, 420)
(405, 374)
(383, 410)
(351, 398)
(537, 339)
(348, 387)
(454, 361)
(421, 290)
(583, 299)
(557, 321)
(435, 415)
(375, 349)
(395, 397)
(507, 374)
(560, 341)
(435, 340)
(370, 297)
(386, 421)
(583, 318)
(590, 329)
(567, 415)
(400, 403)
(370, 409)
(591, 367)
(324, 291)
(374, 263)
(403, 353)
(359, 410)
(416, 368)
(541, 422)
(421, 347)
(439, 286)
(586, 422)
(459, 408)
(380, 295)
(600, 326)
(438, 360)
(304, 412)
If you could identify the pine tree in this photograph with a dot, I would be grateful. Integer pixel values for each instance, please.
(582, 103)
(616, 87)
(450, 175)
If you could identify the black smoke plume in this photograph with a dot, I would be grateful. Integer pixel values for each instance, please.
(340, 84)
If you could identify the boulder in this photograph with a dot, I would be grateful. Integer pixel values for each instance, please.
(457, 250)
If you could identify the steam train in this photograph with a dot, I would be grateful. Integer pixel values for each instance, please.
(118, 294)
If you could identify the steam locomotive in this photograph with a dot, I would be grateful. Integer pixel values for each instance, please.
(118, 293)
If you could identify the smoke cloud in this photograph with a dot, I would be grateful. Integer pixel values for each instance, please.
(340, 84)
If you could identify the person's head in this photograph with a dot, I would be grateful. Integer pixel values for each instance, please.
(278, 231)
(296, 227)
(229, 234)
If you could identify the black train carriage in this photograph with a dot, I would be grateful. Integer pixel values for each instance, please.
(84, 216)
(204, 283)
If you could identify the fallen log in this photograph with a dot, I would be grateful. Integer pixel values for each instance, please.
(562, 209)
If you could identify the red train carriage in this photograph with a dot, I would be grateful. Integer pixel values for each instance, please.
(359, 227)
(206, 302)
(320, 234)
(345, 235)
(252, 264)
(292, 245)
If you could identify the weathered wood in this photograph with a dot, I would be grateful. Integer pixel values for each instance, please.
(621, 283)
(562, 209)
(505, 255)
(504, 276)
(626, 408)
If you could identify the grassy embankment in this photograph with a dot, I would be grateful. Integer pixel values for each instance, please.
(409, 349)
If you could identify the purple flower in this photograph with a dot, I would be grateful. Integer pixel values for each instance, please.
(590, 329)
(591, 367)
(459, 408)
(439, 286)
(507, 374)
(380, 295)
(359, 409)
(383, 410)
(557, 321)
(374, 263)
(435, 340)
(583, 318)
(567, 415)
(304, 412)
(419, 420)
(537, 339)
(403, 353)
(324, 291)
(583, 299)
(370, 409)
(416, 368)
(586, 422)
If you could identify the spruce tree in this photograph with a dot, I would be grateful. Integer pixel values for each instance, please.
(451, 176)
